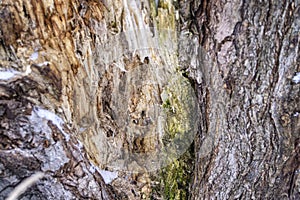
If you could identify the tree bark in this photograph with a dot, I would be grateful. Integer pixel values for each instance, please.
(38, 71)
(250, 99)
(77, 77)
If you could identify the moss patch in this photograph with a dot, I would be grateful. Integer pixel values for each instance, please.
(179, 105)
(177, 176)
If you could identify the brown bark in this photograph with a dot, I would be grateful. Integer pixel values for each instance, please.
(249, 99)
(57, 89)
(61, 80)
(37, 49)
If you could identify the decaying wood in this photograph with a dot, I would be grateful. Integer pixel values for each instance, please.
(58, 102)
(38, 67)
(33, 142)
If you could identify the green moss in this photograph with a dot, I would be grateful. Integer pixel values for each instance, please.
(178, 109)
(166, 104)
(165, 17)
(180, 112)
(176, 177)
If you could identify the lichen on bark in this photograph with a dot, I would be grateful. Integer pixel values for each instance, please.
(53, 57)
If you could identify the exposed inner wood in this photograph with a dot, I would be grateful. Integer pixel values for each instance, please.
(204, 92)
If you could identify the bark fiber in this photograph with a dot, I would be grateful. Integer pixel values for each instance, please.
(72, 70)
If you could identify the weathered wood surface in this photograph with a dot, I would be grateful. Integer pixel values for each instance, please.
(57, 81)
(39, 68)
(250, 99)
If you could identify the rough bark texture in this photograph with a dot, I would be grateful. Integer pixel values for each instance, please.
(249, 99)
(38, 71)
(71, 71)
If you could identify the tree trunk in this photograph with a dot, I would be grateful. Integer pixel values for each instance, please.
(250, 100)
(38, 72)
(105, 99)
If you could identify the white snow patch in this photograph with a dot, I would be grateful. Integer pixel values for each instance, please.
(296, 78)
(46, 114)
(79, 145)
(55, 157)
(28, 70)
(108, 176)
(5, 75)
(43, 63)
(296, 114)
(81, 129)
(34, 56)
(120, 66)
(92, 169)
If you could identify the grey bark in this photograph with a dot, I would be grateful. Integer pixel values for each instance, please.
(32, 144)
(34, 139)
(242, 62)
(249, 99)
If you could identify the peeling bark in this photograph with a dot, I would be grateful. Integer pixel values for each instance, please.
(38, 65)
(32, 142)
(71, 70)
